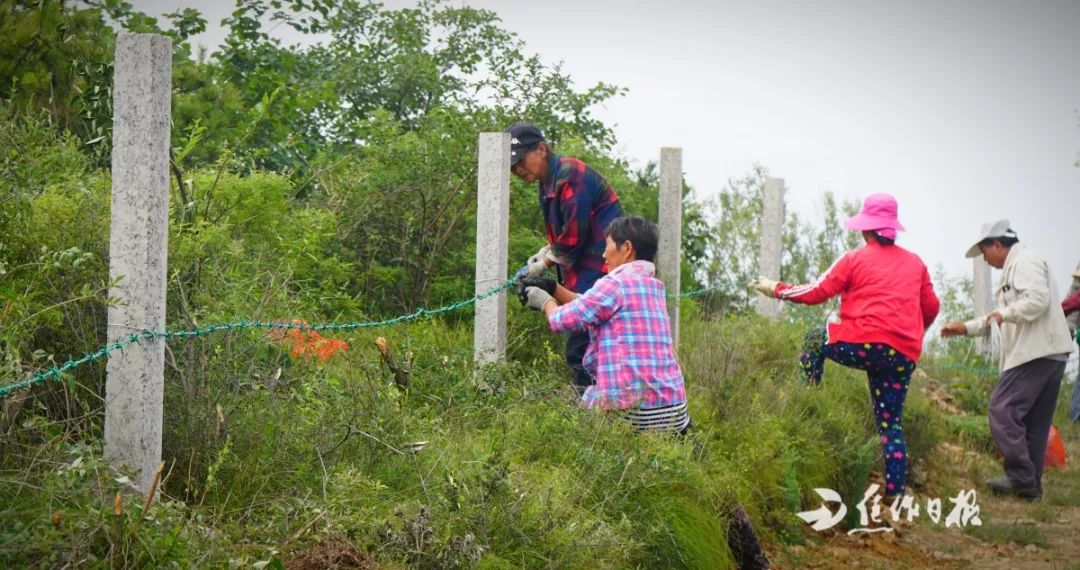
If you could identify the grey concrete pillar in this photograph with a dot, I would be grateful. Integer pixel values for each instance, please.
(982, 290)
(981, 287)
(492, 236)
(669, 257)
(772, 231)
(142, 84)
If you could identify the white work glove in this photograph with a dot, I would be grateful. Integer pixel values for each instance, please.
(536, 266)
(537, 298)
(765, 286)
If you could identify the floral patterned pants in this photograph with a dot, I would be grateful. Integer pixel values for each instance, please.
(889, 373)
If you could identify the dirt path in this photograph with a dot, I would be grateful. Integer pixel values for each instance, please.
(1014, 534)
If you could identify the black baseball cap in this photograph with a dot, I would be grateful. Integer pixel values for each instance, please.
(523, 137)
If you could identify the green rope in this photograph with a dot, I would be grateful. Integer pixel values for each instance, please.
(135, 338)
(962, 368)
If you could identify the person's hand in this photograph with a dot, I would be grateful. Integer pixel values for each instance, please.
(765, 286)
(546, 283)
(953, 329)
(536, 298)
(536, 266)
(994, 317)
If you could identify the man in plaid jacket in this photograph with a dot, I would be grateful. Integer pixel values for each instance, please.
(578, 204)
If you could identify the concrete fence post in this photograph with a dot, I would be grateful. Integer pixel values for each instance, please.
(669, 256)
(772, 231)
(982, 291)
(134, 386)
(492, 249)
(981, 286)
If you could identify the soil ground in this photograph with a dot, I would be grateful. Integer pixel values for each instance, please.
(1014, 534)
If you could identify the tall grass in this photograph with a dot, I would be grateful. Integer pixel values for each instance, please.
(268, 465)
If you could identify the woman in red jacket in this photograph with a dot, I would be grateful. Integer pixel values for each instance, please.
(886, 304)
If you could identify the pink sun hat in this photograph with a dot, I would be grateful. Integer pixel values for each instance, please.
(878, 213)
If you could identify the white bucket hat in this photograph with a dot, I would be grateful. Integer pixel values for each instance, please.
(990, 230)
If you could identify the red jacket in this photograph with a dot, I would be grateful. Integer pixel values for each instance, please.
(885, 296)
(1071, 303)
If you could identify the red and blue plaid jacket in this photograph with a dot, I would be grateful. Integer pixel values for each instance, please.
(578, 205)
(630, 348)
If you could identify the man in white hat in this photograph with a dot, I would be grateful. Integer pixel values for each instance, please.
(1035, 345)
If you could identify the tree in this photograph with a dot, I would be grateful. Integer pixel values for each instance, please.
(732, 252)
(833, 240)
(729, 257)
(407, 62)
(57, 59)
(58, 56)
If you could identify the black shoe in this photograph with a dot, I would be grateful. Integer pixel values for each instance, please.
(1003, 486)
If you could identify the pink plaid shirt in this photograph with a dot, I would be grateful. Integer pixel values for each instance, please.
(630, 353)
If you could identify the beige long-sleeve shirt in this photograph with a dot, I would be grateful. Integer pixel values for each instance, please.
(1033, 325)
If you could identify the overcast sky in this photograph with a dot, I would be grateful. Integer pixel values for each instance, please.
(964, 110)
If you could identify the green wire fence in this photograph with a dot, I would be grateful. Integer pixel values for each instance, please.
(135, 338)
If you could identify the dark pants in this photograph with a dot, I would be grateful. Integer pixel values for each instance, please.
(889, 373)
(576, 345)
(741, 538)
(1074, 406)
(1021, 409)
(744, 544)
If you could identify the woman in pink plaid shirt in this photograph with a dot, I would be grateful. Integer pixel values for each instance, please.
(630, 352)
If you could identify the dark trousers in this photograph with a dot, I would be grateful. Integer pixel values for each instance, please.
(576, 345)
(1021, 409)
(1074, 406)
(744, 544)
(741, 538)
(889, 373)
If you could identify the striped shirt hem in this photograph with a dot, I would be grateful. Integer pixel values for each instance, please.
(674, 418)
